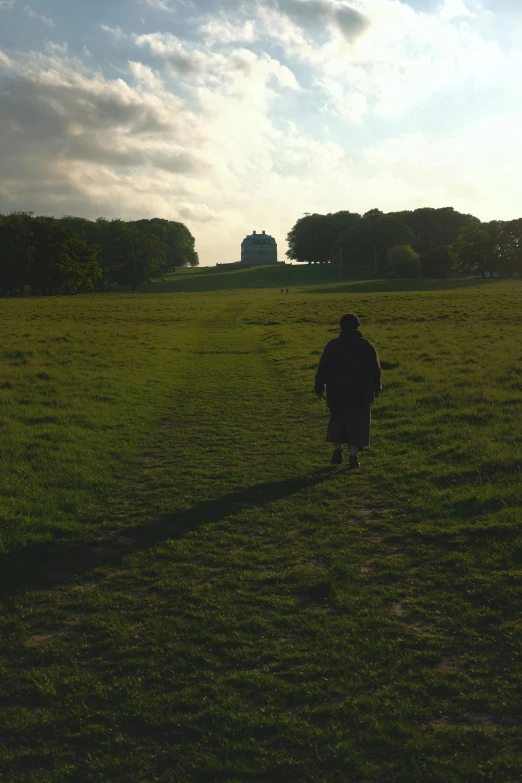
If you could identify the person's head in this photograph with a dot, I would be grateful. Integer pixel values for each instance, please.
(349, 322)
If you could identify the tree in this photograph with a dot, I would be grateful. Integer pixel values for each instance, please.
(176, 237)
(82, 227)
(343, 221)
(472, 250)
(436, 263)
(311, 240)
(132, 257)
(366, 242)
(373, 214)
(343, 226)
(61, 261)
(435, 227)
(359, 240)
(72, 253)
(16, 251)
(403, 261)
(514, 229)
(383, 233)
(505, 246)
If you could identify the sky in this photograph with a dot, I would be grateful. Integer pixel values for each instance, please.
(240, 116)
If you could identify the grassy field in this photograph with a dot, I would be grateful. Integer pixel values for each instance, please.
(189, 592)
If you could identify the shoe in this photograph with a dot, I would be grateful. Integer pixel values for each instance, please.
(354, 462)
(337, 458)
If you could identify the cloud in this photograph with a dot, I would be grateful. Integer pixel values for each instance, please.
(483, 177)
(170, 6)
(221, 30)
(350, 21)
(187, 62)
(395, 62)
(6, 4)
(146, 76)
(67, 128)
(320, 13)
(281, 30)
(197, 213)
(229, 70)
(79, 142)
(32, 14)
(116, 32)
(451, 9)
(307, 12)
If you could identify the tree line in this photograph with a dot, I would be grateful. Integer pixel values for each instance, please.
(47, 255)
(426, 242)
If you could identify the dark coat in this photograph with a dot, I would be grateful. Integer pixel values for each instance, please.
(350, 370)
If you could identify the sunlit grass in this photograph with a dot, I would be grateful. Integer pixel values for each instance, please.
(81, 380)
(190, 592)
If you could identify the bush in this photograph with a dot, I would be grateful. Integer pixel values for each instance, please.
(404, 261)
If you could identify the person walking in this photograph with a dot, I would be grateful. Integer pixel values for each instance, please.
(349, 368)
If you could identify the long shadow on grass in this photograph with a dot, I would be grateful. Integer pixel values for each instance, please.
(55, 563)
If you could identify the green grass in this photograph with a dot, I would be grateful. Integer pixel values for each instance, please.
(190, 593)
(230, 277)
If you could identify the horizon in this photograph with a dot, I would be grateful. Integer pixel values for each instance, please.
(227, 117)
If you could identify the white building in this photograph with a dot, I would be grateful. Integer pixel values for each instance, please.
(259, 249)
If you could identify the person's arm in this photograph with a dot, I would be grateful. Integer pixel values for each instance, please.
(322, 374)
(376, 371)
(373, 366)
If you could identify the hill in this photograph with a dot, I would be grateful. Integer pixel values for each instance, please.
(230, 277)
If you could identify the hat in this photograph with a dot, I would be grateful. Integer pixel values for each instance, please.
(349, 321)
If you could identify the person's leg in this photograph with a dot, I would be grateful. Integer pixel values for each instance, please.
(337, 458)
(354, 456)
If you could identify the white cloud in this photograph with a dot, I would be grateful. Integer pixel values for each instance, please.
(5, 60)
(145, 75)
(280, 29)
(116, 32)
(483, 162)
(170, 6)
(5, 4)
(314, 14)
(221, 30)
(396, 61)
(349, 102)
(62, 124)
(238, 67)
(451, 9)
(32, 14)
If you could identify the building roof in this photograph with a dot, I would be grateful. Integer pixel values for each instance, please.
(259, 239)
